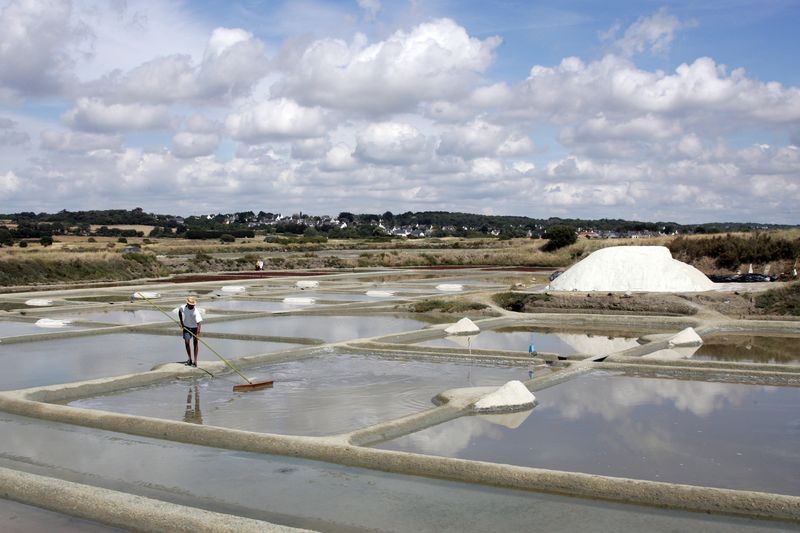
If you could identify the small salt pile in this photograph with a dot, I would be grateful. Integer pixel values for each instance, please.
(465, 326)
(306, 284)
(39, 302)
(511, 396)
(145, 295)
(450, 287)
(233, 288)
(298, 301)
(380, 294)
(52, 323)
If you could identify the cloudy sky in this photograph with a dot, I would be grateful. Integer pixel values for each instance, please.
(678, 110)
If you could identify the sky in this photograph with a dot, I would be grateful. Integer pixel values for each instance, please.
(678, 111)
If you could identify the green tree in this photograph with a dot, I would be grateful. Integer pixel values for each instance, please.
(559, 236)
(5, 237)
(46, 240)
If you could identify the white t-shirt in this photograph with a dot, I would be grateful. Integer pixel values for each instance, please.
(191, 317)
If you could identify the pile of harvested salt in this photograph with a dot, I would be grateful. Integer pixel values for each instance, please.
(39, 302)
(632, 268)
(307, 284)
(450, 287)
(233, 288)
(298, 301)
(511, 396)
(465, 326)
(145, 295)
(52, 323)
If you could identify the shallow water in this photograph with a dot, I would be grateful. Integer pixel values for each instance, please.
(750, 349)
(247, 305)
(318, 396)
(327, 328)
(12, 329)
(516, 339)
(32, 364)
(713, 434)
(314, 494)
(117, 316)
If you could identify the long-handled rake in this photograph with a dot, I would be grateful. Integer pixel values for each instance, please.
(244, 387)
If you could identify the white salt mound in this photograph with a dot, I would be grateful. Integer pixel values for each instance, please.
(52, 323)
(39, 302)
(450, 287)
(465, 326)
(298, 301)
(233, 288)
(632, 268)
(306, 284)
(687, 337)
(144, 295)
(380, 294)
(512, 395)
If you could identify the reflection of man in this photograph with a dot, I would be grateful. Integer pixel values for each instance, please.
(190, 318)
(193, 414)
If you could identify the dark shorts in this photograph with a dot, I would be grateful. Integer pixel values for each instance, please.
(189, 336)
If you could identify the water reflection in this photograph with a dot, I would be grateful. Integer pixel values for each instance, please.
(750, 348)
(715, 434)
(192, 412)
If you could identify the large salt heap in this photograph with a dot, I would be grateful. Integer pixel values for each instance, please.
(632, 268)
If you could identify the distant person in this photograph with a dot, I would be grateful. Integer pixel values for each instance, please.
(259, 265)
(190, 318)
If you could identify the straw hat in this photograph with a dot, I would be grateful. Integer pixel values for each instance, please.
(191, 300)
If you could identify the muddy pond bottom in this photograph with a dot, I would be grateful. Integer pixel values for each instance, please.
(327, 394)
(698, 433)
(750, 349)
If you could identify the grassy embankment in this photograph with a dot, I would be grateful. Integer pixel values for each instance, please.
(55, 267)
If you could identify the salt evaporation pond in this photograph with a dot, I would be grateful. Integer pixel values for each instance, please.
(247, 305)
(700, 433)
(316, 396)
(328, 328)
(118, 316)
(544, 340)
(12, 329)
(37, 363)
(750, 349)
(310, 494)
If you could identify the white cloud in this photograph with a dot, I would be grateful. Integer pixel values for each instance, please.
(275, 119)
(9, 182)
(310, 148)
(339, 157)
(372, 7)
(695, 91)
(654, 33)
(37, 41)
(434, 61)
(234, 60)
(10, 135)
(187, 144)
(77, 142)
(480, 138)
(96, 115)
(390, 143)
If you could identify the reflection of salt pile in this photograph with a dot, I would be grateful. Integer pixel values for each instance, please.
(509, 420)
(39, 302)
(632, 268)
(511, 396)
(52, 323)
(596, 345)
(306, 284)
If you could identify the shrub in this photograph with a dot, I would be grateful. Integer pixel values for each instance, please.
(513, 301)
(558, 237)
(227, 237)
(783, 301)
(122, 240)
(91, 239)
(5, 237)
(23, 244)
(46, 240)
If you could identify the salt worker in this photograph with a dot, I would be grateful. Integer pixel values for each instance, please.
(190, 318)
